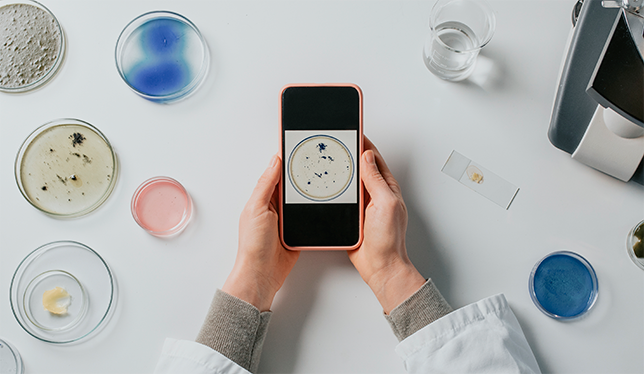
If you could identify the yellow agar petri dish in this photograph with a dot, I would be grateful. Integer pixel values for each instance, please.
(66, 168)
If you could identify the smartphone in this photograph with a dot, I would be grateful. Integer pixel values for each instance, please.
(321, 195)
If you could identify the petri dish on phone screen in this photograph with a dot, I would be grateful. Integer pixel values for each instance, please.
(320, 168)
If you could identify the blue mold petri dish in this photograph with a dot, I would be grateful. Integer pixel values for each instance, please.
(162, 56)
(563, 285)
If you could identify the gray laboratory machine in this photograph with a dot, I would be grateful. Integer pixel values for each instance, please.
(598, 113)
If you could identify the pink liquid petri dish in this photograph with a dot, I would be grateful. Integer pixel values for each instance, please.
(161, 206)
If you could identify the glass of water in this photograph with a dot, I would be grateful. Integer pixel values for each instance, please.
(458, 31)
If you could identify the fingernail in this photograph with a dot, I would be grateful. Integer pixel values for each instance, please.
(273, 161)
(369, 157)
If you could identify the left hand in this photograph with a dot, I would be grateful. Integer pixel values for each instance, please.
(382, 259)
(262, 263)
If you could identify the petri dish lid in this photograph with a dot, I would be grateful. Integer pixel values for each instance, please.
(563, 285)
(10, 360)
(34, 68)
(80, 271)
(162, 56)
(66, 168)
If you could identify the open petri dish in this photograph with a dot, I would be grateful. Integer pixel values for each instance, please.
(66, 168)
(563, 285)
(85, 277)
(162, 56)
(32, 45)
(635, 245)
(10, 360)
(161, 206)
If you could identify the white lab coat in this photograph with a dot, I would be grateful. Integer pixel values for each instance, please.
(484, 337)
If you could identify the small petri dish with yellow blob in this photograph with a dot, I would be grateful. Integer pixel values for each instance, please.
(63, 292)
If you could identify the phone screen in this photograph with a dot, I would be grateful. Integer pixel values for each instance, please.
(321, 148)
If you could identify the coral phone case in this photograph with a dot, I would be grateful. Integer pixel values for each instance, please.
(321, 194)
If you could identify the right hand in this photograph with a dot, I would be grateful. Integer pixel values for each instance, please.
(262, 263)
(382, 259)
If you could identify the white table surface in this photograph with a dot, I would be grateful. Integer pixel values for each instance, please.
(218, 142)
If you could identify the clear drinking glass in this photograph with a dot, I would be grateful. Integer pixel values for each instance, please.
(458, 31)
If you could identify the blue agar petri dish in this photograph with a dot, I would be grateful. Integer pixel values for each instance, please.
(162, 56)
(563, 285)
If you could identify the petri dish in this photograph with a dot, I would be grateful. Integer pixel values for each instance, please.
(320, 168)
(635, 245)
(66, 168)
(33, 303)
(10, 359)
(79, 270)
(32, 45)
(162, 56)
(161, 206)
(563, 285)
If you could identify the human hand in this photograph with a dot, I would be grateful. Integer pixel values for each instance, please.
(262, 263)
(382, 259)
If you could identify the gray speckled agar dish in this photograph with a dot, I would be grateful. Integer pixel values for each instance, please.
(32, 45)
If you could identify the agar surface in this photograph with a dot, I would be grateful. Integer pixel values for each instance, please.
(163, 69)
(30, 42)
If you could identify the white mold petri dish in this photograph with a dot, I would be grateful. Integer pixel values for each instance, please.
(162, 56)
(32, 45)
(66, 168)
(82, 273)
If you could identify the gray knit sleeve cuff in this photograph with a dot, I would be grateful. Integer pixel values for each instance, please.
(235, 329)
(419, 310)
